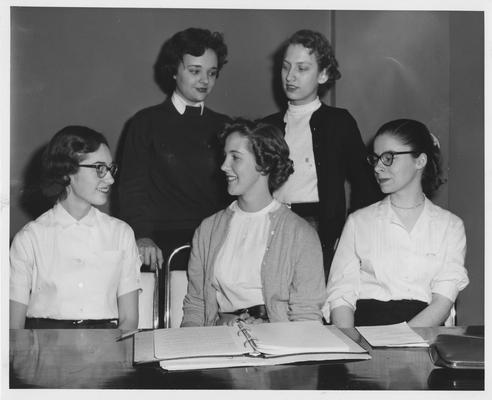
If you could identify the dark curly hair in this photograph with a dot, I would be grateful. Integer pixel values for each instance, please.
(322, 49)
(268, 146)
(416, 135)
(192, 41)
(62, 156)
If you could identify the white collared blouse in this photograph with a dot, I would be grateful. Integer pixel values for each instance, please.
(180, 103)
(237, 270)
(62, 268)
(377, 258)
(302, 185)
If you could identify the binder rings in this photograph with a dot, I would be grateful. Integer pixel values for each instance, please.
(244, 345)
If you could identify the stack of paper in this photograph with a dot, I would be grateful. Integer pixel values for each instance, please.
(397, 335)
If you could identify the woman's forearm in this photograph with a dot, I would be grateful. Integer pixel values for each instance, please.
(128, 310)
(434, 314)
(342, 317)
(17, 315)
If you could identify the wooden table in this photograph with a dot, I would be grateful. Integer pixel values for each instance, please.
(94, 359)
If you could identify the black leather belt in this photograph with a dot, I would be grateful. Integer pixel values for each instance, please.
(48, 323)
(258, 311)
(305, 209)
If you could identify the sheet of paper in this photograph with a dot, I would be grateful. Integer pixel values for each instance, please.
(296, 337)
(200, 341)
(397, 335)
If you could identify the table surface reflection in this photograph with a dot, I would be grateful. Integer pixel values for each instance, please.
(93, 358)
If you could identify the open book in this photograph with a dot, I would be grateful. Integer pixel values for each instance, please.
(244, 345)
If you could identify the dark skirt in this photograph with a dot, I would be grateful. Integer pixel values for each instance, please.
(47, 323)
(374, 312)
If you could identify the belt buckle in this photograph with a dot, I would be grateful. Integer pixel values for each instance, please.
(78, 321)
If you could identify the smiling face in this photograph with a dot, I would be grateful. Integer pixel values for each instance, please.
(243, 178)
(301, 75)
(405, 173)
(195, 77)
(86, 188)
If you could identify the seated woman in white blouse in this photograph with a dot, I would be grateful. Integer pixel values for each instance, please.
(74, 266)
(255, 260)
(401, 259)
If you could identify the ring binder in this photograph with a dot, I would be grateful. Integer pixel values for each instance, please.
(264, 344)
(250, 339)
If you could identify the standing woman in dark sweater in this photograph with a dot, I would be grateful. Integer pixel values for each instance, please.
(325, 143)
(169, 179)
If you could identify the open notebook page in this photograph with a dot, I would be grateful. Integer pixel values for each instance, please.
(296, 337)
(201, 341)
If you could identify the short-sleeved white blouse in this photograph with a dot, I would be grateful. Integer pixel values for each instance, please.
(63, 268)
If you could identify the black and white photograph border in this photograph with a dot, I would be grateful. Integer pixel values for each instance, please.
(15, 154)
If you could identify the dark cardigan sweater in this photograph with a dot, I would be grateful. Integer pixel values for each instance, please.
(339, 154)
(170, 176)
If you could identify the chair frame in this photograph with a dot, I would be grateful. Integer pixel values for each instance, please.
(167, 284)
(156, 299)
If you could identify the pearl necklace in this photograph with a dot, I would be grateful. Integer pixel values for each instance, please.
(408, 208)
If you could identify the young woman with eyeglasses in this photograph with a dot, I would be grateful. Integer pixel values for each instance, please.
(74, 266)
(401, 259)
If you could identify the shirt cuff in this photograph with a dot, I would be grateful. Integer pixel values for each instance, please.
(132, 282)
(446, 289)
(19, 294)
(331, 305)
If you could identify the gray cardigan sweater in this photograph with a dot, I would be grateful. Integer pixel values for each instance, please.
(291, 273)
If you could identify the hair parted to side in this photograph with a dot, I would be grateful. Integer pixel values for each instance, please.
(268, 146)
(193, 41)
(62, 156)
(318, 44)
(416, 135)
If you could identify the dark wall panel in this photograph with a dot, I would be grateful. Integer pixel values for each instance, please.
(466, 169)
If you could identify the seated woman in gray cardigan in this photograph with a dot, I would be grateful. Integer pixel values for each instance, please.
(255, 260)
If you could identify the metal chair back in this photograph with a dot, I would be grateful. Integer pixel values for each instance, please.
(180, 280)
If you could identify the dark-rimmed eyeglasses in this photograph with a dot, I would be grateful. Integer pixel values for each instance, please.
(102, 168)
(386, 158)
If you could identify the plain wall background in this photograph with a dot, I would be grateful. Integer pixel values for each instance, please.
(94, 67)
(466, 151)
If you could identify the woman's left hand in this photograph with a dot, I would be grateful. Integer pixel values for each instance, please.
(254, 321)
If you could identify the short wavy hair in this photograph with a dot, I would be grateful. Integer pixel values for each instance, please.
(318, 44)
(193, 41)
(268, 146)
(63, 155)
(416, 135)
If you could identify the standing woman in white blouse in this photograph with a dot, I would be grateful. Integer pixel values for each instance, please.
(255, 260)
(401, 259)
(74, 266)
